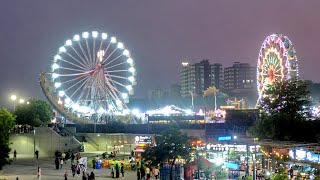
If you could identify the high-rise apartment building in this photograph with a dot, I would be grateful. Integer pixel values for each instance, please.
(196, 78)
(216, 75)
(187, 79)
(240, 76)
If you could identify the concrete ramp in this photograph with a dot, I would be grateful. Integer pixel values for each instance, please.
(46, 140)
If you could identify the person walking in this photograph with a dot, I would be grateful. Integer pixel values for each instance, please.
(37, 153)
(112, 171)
(61, 163)
(117, 171)
(73, 169)
(156, 173)
(72, 158)
(84, 174)
(143, 173)
(91, 176)
(122, 169)
(65, 175)
(56, 161)
(39, 173)
(63, 157)
(78, 170)
(14, 154)
(138, 174)
(148, 172)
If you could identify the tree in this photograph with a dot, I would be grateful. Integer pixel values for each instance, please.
(284, 111)
(35, 113)
(290, 97)
(170, 146)
(7, 121)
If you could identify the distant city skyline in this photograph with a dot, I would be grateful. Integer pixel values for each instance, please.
(159, 34)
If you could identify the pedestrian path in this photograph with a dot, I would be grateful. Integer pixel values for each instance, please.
(26, 168)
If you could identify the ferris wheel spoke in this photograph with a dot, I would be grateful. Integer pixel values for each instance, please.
(73, 64)
(116, 82)
(61, 67)
(76, 74)
(101, 42)
(76, 84)
(106, 67)
(114, 59)
(109, 56)
(74, 79)
(82, 84)
(83, 92)
(115, 76)
(88, 49)
(78, 54)
(93, 51)
(107, 48)
(85, 55)
(111, 87)
(120, 70)
(75, 59)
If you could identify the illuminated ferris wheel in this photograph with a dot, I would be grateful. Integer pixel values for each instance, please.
(277, 61)
(93, 73)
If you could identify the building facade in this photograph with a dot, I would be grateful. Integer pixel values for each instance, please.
(196, 78)
(240, 76)
(217, 75)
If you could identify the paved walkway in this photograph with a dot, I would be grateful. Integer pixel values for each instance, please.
(26, 167)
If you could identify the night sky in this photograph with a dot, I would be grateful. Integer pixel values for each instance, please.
(159, 34)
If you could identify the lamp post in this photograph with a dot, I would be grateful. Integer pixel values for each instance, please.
(14, 98)
(34, 142)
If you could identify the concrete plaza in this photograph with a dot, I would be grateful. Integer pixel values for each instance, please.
(25, 167)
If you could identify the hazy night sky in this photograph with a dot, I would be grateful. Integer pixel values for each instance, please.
(159, 34)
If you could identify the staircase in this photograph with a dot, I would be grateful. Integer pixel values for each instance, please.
(88, 147)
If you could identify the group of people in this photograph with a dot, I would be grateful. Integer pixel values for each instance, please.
(116, 170)
(144, 172)
(77, 168)
(22, 129)
(36, 153)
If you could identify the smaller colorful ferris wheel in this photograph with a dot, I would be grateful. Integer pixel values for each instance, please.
(277, 62)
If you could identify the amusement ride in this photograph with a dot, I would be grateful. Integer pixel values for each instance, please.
(92, 75)
(277, 62)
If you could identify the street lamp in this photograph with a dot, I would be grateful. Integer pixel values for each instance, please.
(21, 101)
(14, 98)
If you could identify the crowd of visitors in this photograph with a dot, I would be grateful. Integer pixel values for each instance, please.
(22, 129)
(144, 172)
(77, 168)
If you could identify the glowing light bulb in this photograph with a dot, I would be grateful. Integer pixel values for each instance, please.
(94, 34)
(85, 35)
(57, 84)
(55, 66)
(68, 42)
(120, 45)
(113, 40)
(76, 37)
(61, 93)
(129, 60)
(62, 49)
(104, 36)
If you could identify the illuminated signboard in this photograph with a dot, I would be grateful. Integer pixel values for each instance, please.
(231, 165)
(143, 139)
(224, 138)
(301, 154)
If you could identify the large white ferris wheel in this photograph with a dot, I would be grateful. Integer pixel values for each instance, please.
(93, 73)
